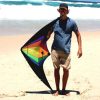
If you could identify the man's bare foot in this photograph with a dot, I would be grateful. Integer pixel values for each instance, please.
(64, 92)
(56, 93)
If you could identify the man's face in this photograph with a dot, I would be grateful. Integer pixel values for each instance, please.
(63, 11)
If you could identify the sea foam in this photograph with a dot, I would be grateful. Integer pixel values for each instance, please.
(44, 12)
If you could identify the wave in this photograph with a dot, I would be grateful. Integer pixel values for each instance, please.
(86, 1)
(20, 2)
(72, 3)
(45, 12)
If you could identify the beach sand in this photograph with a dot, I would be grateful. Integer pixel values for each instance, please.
(18, 81)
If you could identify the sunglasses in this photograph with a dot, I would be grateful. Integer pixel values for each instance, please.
(62, 10)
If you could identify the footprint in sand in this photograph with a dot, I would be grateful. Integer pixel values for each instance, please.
(18, 94)
(82, 84)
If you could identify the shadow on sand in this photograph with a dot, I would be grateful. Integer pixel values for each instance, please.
(50, 92)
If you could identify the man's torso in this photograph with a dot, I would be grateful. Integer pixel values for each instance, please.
(63, 34)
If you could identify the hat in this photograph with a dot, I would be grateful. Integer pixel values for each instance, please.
(63, 5)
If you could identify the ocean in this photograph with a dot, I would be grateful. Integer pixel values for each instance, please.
(28, 16)
(47, 9)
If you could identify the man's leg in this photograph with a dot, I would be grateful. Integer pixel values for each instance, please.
(65, 79)
(57, 80)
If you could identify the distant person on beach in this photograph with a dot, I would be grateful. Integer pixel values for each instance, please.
(60, 52)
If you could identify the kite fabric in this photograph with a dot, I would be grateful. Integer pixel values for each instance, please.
(35, 52)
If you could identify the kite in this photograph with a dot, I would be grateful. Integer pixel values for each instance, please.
(35, 51)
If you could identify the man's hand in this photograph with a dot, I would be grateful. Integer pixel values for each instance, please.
(79, 53)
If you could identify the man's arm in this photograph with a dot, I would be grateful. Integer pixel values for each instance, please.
(49, 33)
(78, 35)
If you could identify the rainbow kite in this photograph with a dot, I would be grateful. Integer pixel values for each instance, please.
(35, 52)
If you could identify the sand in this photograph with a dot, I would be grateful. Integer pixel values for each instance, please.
(18, 81)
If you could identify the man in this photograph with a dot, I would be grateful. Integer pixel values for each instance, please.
(60, 53)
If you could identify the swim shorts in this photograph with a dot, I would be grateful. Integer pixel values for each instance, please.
(60, 59)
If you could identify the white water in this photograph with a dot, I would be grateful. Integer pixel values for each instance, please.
(44, 12)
